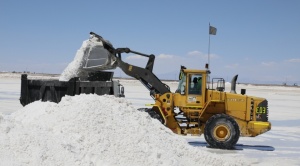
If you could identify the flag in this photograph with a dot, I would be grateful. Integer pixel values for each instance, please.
(212, 30)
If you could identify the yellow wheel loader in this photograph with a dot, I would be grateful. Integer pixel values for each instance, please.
(198, 106)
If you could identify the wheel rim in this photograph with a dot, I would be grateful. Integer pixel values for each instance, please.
(221, 132)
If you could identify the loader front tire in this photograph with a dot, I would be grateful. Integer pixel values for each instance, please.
(221, 131)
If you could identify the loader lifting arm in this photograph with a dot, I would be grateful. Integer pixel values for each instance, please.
(144, 75)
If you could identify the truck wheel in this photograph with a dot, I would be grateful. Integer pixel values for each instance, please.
(221, 131)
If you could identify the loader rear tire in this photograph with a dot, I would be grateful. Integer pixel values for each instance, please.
(221, 131)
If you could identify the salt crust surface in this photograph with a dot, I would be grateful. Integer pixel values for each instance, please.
(95, 130)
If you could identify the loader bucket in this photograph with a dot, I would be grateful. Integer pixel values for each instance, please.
(96, 57)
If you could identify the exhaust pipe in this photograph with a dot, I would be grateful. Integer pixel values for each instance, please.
(233, 84)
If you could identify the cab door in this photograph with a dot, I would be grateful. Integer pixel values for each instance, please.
(194, 89)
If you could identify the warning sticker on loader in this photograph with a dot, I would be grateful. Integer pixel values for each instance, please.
(192, 99)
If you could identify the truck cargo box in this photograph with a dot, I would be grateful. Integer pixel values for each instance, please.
(99, 83)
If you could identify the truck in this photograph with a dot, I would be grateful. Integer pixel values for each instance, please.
(198, 106)
(53, 90)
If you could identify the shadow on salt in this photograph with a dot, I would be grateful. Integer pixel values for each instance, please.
(237, 146)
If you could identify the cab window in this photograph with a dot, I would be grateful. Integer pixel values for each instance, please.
(181, 84)
(195, 84)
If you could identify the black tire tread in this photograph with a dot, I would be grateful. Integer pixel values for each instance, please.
(228, 144)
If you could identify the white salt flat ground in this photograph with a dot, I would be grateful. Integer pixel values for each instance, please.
(280, 146)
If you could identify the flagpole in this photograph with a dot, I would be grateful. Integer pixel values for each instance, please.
(208, 56)
(208, 59)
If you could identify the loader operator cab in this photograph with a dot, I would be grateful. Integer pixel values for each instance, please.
(194, 83)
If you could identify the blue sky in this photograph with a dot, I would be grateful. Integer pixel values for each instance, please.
(259, 40)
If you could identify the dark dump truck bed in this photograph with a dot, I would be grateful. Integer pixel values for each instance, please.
(53, 90)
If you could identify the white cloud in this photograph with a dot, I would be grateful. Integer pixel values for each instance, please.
(165, 56)
(160, 56)
(268, 64)
(135, 57)
(195, 53)
(293, 60)
(202, 55)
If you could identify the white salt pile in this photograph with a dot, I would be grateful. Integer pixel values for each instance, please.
(94, 130)
(72, 70)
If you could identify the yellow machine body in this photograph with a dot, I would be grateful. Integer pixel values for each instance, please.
(195, 109)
